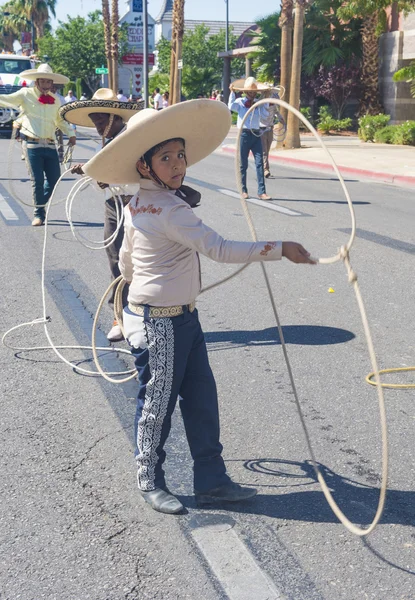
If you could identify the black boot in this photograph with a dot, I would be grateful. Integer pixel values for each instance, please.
(162, 501)
(230, 492)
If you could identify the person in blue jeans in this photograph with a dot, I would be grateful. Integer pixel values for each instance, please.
(159, 258)
(251, 132)
(39, 119)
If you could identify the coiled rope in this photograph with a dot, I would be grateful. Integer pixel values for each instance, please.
(342, 255)
(45, 320)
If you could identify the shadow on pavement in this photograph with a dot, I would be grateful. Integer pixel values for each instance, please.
(62, 222)
(357, 500)
(309, 335)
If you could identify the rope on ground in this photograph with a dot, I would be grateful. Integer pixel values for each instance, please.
(395, 386)
(45, 320)
(342, 254)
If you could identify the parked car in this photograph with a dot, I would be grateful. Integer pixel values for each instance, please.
(11, 65)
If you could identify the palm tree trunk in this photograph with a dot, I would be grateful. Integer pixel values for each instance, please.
(293, 125)
(173, 52)
(370, 102)
(114, 44)
(107, 38)
(178, 24)
(286, 24)
(179, 51)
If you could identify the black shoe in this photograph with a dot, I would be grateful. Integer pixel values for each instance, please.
(162, 501)
(230, 492)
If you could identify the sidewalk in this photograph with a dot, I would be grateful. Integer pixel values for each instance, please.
(382, 162)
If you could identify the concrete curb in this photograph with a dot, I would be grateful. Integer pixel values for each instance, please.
(402, 180)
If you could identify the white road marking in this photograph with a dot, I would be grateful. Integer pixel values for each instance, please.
(265, 204)
(233, 564)
(7, 211)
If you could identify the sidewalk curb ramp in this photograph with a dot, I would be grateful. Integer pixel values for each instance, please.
(402, 180)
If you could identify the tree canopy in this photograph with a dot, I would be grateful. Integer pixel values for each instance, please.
(202, 69)
(77, 48)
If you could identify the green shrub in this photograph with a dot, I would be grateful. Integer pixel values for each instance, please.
(306, 111)
(404, 134)
(327, 122)
(369, 124)
(385, 135)
(234, 118)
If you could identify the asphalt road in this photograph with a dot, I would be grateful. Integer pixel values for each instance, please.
(72, 524)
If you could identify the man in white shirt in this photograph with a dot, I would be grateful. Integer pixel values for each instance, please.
(267, 129)
(70, 97)
(121, 97)
(157, 99)
(251, 134)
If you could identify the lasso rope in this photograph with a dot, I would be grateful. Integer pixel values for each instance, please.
(396, 386)
(342, 254)
(45, 320)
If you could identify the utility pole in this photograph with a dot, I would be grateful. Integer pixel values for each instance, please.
(227, 26)
(145, 54)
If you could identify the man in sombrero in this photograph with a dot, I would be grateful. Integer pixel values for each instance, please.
(251, 132)
(39, 120)
(108, 116)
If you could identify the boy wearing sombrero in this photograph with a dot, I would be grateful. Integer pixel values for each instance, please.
(40, 119)
(159, 258)
(251, 131)
(108, 116)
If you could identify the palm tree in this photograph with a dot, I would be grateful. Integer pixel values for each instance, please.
(177, 36)
(107, 37)
(286, 22)
(371, 11)
(12, 24)
(114, 43)
(35, 11)
(293, 129)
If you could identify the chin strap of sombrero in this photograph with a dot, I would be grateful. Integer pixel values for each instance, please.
(107, 129)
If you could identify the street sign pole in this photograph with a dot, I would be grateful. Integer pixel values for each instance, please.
(145, 54)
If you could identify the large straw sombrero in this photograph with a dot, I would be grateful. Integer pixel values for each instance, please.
(44, 71)
(250, 84)
(202, 124)
(103, 101)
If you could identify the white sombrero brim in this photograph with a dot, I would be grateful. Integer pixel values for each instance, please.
(33, 74)
(202, 124)
(239, 86)
(78, 112)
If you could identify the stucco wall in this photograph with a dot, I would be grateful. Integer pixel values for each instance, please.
(397, 49)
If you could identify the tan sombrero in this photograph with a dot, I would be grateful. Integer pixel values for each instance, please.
(103, 101)
(44, 71)
(203, 125)
(249, 85)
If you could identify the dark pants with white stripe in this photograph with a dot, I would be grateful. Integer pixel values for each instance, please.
(251, 142)
(175, 363)
(43, 163)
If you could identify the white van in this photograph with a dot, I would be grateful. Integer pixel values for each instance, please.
(11, 65)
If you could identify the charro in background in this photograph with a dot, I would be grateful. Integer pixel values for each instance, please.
(39, 121)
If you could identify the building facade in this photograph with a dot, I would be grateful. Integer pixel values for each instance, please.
(397, 50)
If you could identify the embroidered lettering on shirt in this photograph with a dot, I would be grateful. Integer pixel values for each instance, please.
(136, 210)
(267, 248)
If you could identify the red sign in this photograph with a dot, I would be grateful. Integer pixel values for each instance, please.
(137, 59)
